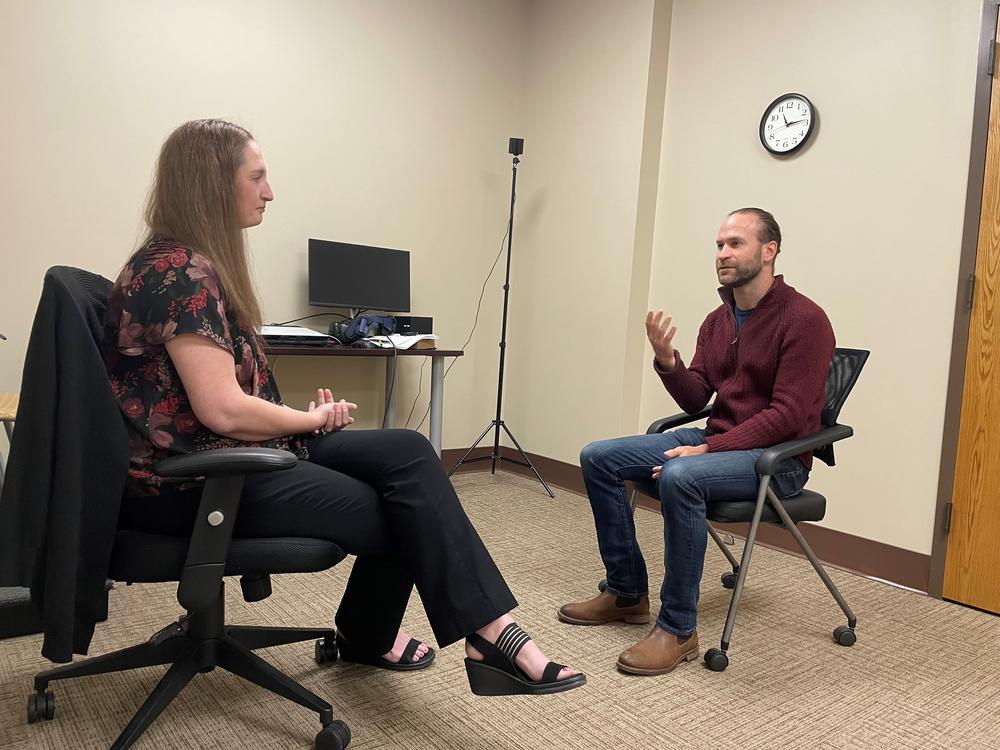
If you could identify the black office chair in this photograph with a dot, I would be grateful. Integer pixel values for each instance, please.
(845, 367)
(200, 641)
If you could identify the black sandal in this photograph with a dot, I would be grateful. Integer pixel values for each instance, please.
(497, 674)
(349, 653)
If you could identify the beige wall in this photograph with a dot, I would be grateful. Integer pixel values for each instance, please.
(382, 122)
(578, 186)
(386, 123)
(871, 212)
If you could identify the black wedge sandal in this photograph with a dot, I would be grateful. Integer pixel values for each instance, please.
(498, 674)
(405, 663)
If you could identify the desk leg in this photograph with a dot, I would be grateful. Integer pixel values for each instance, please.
(9, 427)
(437, 401)
(389, 420)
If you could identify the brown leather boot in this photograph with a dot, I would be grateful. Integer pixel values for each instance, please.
(603, 608)
(658, 653)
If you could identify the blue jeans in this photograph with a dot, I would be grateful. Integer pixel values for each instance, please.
(685, 485)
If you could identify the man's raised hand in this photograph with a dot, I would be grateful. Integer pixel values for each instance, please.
(660, 333)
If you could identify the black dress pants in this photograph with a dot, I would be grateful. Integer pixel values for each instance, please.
(383, 496)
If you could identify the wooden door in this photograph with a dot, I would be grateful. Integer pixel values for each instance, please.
(972, 566)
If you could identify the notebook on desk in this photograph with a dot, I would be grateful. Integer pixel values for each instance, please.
(294, 336)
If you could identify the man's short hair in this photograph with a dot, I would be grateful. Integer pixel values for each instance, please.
(769, 230)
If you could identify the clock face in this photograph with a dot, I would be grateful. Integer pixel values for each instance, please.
(787, 123)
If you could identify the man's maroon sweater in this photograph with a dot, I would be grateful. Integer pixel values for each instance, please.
(769, 379)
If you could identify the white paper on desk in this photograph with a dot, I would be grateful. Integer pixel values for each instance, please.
(291, 331)
(399, 341)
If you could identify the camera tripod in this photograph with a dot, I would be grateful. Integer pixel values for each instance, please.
(516, 149)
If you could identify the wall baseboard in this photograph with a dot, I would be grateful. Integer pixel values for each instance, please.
(835, 548)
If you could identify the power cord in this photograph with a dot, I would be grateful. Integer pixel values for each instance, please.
(475, 322)
(307, 317)
(420, 388)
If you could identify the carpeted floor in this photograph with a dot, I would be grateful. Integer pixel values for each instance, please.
(924, 674)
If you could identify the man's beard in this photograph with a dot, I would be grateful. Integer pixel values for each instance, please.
(742, 275)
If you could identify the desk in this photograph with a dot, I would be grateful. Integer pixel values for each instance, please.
(389, 355)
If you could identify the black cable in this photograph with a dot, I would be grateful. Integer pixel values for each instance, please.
(474, 322)
(420, 388)
(307, 317)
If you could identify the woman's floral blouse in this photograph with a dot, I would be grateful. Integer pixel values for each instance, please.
(166, 290)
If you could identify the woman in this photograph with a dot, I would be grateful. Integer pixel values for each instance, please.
(189, 373)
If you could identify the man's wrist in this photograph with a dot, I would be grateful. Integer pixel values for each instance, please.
(664, 367)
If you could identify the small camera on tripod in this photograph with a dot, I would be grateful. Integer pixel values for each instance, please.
(516, 147)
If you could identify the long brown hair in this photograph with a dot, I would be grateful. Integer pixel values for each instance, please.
(193, 201)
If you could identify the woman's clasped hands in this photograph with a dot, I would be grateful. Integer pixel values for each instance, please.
(335, 415)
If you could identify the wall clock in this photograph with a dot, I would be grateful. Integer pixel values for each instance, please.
(787, 123)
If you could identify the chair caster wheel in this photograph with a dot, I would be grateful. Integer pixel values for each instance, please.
(729, 580)
(326, 651)
(844, 635)
(603, 585)
(334, 736)
(41, 706)
(716, 660)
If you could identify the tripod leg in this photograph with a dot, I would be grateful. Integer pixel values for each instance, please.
(495, 455)
(472, 448)
(526, 459)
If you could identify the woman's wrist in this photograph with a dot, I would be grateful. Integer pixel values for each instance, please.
(319, 420)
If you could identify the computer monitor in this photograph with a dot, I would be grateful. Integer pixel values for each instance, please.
(358, 276)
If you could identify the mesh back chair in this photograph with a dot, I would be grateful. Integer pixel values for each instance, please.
(845, 367)
(200, 641)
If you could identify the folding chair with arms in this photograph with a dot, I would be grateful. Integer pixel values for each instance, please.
(845, 367)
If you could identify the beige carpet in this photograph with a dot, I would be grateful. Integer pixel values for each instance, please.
(924, 674)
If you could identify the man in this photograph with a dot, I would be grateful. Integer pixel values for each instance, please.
(764, 353)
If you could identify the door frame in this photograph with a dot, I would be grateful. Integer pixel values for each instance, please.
(966, 267)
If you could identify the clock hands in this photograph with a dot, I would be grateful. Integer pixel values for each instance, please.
(786, 125)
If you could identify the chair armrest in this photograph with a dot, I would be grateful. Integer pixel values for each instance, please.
(225, 461)
(676, 420)
(224, 470)
(768, 461)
